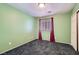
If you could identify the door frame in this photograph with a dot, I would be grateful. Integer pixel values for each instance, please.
(77, 27)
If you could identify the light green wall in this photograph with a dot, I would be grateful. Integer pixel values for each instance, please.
(15, 27)
(62, 25)
(62, 28)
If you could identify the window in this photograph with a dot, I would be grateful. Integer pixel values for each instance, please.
(45, 25)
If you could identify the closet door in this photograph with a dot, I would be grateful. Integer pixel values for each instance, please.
(74, 31)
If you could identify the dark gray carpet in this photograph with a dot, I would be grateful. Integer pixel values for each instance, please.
(37, 47)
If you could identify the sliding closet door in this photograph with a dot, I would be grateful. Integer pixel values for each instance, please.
(74, 31)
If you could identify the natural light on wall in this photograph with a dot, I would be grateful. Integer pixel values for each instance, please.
(29, 26)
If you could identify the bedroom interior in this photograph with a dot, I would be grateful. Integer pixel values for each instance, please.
(39, 29)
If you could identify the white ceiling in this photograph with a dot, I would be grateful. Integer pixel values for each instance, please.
(34, 10)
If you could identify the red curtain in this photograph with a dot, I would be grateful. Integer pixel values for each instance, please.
(39, 34)
(52, 38)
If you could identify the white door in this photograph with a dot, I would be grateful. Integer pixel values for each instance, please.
(73, 32)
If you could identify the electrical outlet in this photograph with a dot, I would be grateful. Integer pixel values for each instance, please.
(10, 43)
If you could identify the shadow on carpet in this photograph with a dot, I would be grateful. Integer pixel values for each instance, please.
(43, 47)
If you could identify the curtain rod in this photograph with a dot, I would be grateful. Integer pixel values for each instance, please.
(45, 18)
